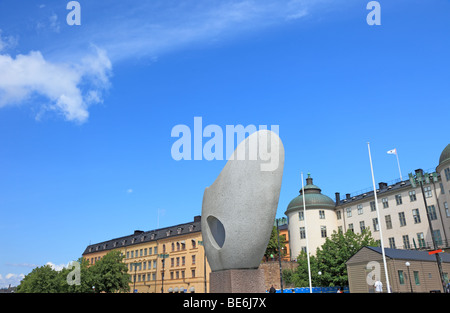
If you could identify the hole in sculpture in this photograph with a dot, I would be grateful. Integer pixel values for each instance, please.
(217, 230)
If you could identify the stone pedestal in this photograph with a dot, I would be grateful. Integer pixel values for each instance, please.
(237, 281)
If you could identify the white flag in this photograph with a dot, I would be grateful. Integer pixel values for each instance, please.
(393, 151)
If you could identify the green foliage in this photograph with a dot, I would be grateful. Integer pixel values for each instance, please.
(329, 260)
(109, 274)
(272, 246)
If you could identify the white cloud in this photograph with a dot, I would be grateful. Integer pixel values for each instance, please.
(57, 267)
(129, 190)
(10, 279)
(7, 42)
(54, 24)
(28, 75)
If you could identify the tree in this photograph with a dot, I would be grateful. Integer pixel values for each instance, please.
(110, 274)
(272, 246)
(330, 260)
(42, 279)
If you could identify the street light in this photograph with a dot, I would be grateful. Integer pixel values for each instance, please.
(163, 256)
(200, 242)
(409, 275)
(422, 178)
(135, 268)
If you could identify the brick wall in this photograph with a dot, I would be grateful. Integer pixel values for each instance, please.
(272, 272)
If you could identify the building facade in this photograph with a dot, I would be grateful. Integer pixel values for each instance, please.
(170, 259)
(408, 270)
(404, 217)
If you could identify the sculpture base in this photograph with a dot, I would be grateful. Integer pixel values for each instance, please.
(237, 281)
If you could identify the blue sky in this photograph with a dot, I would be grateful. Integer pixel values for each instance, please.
(86, 112)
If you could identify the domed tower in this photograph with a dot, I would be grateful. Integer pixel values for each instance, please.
(320, 217)
(444, 169)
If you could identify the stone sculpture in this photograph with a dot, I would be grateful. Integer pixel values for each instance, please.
(239, 208)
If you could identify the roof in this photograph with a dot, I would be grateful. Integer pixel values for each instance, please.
(139, 237)
(313, 198)
(413, 255)
(369, 194)
(445, 155)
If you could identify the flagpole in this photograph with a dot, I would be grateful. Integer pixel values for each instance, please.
(306, 235)
(379, 222)
(398, 163)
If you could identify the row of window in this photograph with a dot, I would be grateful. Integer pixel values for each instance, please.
(178, 261)
(152, 276)
(179, 246)
(323, 232)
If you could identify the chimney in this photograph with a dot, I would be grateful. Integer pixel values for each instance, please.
(338, 198)
(382, 185)
(347, 196)
(138, 232)
(197, 218)
(419, 170)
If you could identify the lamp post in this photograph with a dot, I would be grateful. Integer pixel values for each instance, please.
(279, 257)
(409, 275)
(200, 242)
(163, 256)
(421, 178)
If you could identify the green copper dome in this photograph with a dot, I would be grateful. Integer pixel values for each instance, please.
(445, 155)
(313, 199)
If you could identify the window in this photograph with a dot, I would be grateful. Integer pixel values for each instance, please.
(322, 214)
(406, 244)
(431, 211)
(416, 216)
(428, 193)
(360, 209)
(416, 278)
(442, 188)
(349, 212)
(194, 244)
(301, 216)
(447, 212)
(178, 261)
(193, 273)
(350, 227)
(401, 277)
(437, 236)
(372, 206)
(323, 231)
(302, 233)
(421, 240)
(172, 261)
(401, 217)
(193, 259)
(338, 214)
(375, 224)
(362, 226)
(392, 242)
(447, 173)
(412, 195)
(398, 199)
(385, 203)
(388, 222)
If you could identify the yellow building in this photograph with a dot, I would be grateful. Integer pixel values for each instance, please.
(170, 259)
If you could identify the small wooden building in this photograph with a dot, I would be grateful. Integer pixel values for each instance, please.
(422, 274)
